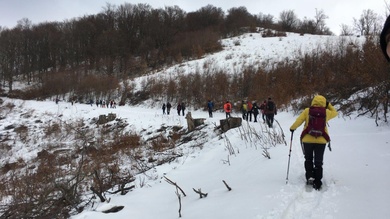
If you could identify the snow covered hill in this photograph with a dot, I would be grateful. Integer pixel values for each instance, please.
(355, 171)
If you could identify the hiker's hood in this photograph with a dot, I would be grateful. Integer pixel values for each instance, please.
(319, 100)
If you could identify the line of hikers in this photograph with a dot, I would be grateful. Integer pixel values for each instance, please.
(181, 107)
(247, 108)
(267, 109)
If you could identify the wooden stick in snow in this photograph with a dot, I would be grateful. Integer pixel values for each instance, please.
(173, 183)
(227, 186)
(200, 193)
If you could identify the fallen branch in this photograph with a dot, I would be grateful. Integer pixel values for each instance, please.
(177, 187)
(266, 154)
(102, 199)
(200, 193)
(122, 190)
(227, 186)
(179, 197)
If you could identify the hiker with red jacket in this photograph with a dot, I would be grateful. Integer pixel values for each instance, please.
(314, 137)
(228, 109)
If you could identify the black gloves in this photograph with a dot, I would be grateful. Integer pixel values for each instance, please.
(292, 131)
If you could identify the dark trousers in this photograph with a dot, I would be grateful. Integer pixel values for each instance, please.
(244, 115)
(249, 114)
(210, 112)
(228, 115)
(255, 116)
(270, 119)
(314, 156)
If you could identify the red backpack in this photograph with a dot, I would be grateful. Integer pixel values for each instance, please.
(317, 123)
(250, 106)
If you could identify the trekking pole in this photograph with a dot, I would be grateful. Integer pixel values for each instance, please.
(289, 156)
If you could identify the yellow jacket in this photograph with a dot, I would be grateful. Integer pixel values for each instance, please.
(304, 117)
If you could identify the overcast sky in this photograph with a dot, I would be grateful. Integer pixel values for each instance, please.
(338, 11)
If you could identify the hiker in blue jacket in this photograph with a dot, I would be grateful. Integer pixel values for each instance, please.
(210, 106)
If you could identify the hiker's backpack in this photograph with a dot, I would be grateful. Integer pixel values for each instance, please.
(270, 105)
(250, 106)
(317, 123)
(244, 107)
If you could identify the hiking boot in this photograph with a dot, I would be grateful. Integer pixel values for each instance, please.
(310, 181)
(317, 185)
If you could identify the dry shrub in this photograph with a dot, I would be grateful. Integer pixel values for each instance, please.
(161, 143)
(13, 166)
(127, 142)
(8, 107)
(52, 128)
(22, 132)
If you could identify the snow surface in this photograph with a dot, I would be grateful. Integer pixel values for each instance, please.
(356, 171)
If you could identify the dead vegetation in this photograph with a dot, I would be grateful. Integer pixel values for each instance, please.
(57, 182)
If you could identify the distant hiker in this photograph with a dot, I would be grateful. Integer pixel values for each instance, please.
(169, 106)
(163, 108)
(228, 109)
(255, 111)
(262, 108)
(244, 108)
(270, 112)
(178, 109)
(249, 109)
(183, 108)
(314, 137)
(210, 106)
(97, 103)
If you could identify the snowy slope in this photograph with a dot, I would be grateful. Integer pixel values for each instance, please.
(355, 172)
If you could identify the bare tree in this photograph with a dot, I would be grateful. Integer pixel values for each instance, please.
(320, 18)
(237, 19)
(288, 20)
(265, 20)
(387, 8)
(307, 26)
(346, 30)
(368, 23)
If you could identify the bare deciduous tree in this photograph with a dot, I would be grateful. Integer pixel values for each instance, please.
(320, 18)
(368, 23)
(288, 20)
(346, 30)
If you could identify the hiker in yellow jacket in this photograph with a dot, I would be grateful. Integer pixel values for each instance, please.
(315, 137)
